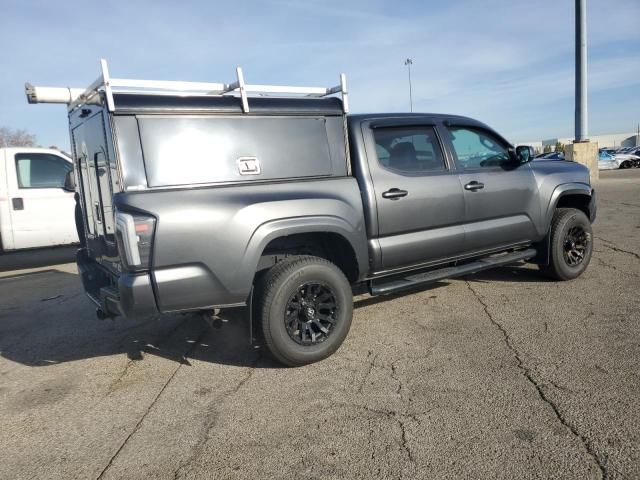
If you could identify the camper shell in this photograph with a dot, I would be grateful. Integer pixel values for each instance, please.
(135, 141)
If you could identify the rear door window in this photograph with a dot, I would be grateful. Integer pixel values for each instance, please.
(409, 149)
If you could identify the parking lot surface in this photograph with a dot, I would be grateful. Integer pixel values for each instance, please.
(502, 374)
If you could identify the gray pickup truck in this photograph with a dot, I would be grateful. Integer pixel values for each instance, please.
(192, 202)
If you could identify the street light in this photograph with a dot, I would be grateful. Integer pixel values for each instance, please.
(408, 62)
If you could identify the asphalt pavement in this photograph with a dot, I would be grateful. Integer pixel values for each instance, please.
(503, 374)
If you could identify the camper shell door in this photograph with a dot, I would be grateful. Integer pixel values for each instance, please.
(97, 176)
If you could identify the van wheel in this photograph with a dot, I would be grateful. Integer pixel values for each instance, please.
(305, 306)
(571, 244)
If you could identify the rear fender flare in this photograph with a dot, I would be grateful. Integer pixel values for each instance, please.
(271, 230)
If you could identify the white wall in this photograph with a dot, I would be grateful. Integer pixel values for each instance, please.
(612, 140)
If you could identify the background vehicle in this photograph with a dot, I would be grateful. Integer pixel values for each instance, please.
(625, 160)
(36, 207)
(196, 201)
(606, 161)
(550, 156)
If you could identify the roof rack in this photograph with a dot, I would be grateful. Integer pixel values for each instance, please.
(76, 97)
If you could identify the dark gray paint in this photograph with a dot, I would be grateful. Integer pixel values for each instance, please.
(195, 150)
(209, 239)
(424, 225)
(504, 212)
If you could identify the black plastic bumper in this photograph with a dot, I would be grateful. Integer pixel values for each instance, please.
(129, 295)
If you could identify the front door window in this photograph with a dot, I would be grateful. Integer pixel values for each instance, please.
(478, 149)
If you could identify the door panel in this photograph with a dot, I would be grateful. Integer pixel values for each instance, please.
(420, 203)
(500, 196)
(41, 211)
(95, 170)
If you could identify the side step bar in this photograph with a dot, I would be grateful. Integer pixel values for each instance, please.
(395, 284)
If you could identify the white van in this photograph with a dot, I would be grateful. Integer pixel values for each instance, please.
(36, 199)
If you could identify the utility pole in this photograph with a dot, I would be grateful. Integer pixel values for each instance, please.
(582, 150)
(581, 126)
(408, 62)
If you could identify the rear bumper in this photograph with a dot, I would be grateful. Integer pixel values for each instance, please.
(140, 295)
(129, 295)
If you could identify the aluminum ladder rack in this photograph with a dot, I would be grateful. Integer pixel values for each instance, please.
(76, 97)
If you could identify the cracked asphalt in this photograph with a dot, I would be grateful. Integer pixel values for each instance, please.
(502, 374)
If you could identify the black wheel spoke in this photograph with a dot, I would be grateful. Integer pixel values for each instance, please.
(310, 313)
(326, 306)
(317, 323)
(326, 318)
(575, 245)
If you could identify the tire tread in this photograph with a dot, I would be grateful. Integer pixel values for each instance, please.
(266, 291)
(553, 269)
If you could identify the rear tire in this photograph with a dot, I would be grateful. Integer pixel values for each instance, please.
(305, 306)
(571, 245)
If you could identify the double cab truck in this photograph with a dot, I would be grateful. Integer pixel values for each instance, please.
(202, 196)
(36, 199)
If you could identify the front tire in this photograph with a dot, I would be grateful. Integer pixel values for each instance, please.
(571, 245)
(305, 307)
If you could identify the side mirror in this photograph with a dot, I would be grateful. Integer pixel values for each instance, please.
(69, 182)
(524, 153)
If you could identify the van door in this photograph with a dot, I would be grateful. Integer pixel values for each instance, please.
(420, 203)
(41, 210)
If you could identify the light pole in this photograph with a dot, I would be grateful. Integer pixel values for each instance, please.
(581, 124)
(408, 62)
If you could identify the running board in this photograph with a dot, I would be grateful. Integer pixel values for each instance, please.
(388, 286)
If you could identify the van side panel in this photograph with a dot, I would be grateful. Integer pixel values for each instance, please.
(6, 233)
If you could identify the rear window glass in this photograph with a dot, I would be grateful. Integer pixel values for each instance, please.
(192, 150)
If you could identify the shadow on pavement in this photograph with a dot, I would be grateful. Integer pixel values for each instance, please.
(37, 257)
(46, 319)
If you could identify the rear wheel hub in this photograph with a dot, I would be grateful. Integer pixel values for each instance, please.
(310, 314)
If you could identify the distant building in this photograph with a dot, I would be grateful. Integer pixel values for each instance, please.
(614, 140)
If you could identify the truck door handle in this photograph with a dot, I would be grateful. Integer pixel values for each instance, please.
(473, 186)
(17, 203)
(394, 194)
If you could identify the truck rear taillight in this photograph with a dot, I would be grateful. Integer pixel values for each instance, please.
(134, 233)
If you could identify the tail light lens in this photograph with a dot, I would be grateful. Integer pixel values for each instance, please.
(134, 234)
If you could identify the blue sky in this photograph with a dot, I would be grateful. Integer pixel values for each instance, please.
(507, 63)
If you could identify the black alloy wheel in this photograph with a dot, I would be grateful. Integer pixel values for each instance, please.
(570, 244)
(310, 314)
(304, 305)
(576, 243)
